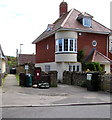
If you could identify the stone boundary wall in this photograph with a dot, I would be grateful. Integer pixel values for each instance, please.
(74, 78)
(67, 77)
(53, 78)
(80, 79)
(106, 82)
(52, 74)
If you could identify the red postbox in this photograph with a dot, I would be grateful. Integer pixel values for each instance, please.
(37, 74)
(42, 81)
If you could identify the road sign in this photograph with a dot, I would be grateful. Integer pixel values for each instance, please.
(26, 67)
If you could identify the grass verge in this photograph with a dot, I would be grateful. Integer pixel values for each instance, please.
(17, 78)
(3, 80)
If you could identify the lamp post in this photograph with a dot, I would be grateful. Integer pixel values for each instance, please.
(20, 48)
(17, 56)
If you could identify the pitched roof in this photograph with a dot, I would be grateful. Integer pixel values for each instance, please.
(96, 56)
(1, 53)
(69, 21)
(57, 25)
(26, 58)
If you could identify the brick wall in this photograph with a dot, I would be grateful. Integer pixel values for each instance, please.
(45, 50)
(63, 8)
(85, 42)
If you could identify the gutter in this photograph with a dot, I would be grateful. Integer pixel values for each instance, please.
(67, 29)
(88, 31)
(44, 36)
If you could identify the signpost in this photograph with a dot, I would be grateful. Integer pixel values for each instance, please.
(89, 76)
(26, 68)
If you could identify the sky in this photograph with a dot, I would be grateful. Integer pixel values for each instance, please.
(22, 21)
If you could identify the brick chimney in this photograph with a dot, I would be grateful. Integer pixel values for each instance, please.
(63, 8)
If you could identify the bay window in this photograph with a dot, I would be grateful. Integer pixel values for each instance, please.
(110, 45)
(60, 45)
(71, 45)
(66, 45)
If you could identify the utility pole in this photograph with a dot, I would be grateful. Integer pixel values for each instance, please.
(20, 48)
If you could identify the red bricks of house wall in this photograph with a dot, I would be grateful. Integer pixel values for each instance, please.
(110, 55)
(42, 53)
(85, 42)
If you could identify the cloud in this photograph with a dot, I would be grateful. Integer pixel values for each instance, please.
(2, 5)
(18, 14)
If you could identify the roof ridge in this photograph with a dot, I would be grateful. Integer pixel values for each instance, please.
(70, 12)
(94, 54)
(1, 50)
(104, 56)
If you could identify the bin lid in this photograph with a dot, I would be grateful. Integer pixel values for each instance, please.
(28, 74)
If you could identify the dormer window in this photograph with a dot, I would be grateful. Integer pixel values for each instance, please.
(49, 27)
(87, 22)
(85, 19)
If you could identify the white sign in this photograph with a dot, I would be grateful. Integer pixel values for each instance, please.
(89, 76)
(37, 74)
(26, 67)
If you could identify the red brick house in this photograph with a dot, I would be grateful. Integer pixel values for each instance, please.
(57, 46)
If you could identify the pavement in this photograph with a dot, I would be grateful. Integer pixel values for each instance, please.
(13, 95)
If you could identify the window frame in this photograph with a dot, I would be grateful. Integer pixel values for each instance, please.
(47, 68)
(76, 68)
(94, 43)
(87, 22)
(74, 45)
(47, 46)
(110, 45)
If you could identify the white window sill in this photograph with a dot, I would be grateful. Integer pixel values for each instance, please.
(66, 52)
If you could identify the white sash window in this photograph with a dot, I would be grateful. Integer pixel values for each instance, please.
(66, 45)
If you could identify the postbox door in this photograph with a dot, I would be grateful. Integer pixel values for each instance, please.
(38, 74)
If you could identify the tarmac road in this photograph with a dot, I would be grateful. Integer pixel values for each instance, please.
(88, 111)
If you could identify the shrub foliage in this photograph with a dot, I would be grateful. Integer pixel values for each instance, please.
(93, 66)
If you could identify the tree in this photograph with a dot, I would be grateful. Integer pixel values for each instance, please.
(12, 61)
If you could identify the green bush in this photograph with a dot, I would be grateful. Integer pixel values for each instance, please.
(80, 55)
(93, 66)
